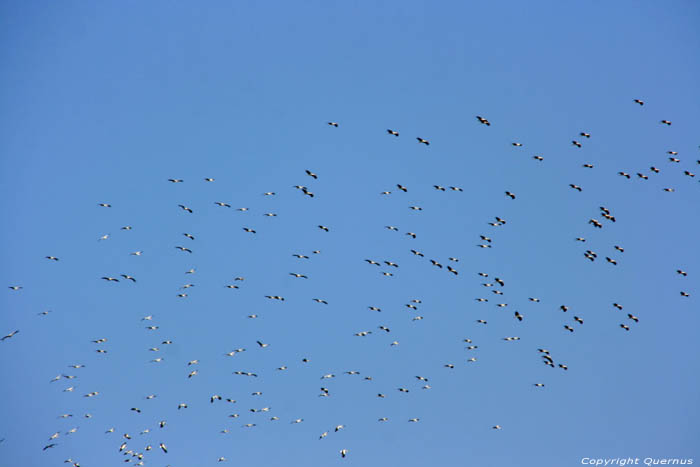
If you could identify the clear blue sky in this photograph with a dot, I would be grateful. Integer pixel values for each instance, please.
(103, 102)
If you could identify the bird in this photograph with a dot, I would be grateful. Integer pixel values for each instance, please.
(681, 272)
(584, 134)
(249, 230)
(10, 335)
(208, 179)
(577, 144)
(423, 141)
(640, 102)
(190, 236)
(164, 448)
(324, 228)
(483, 121)
(318, 300)
(182, 248)
(392, 132)
(110, 279)
(185, 208)
(105, 205)
(128, 277)
(665, 122)
(575, 187)
(52, 258)
(625, 327)
(518, 316)
(343, 453)
(538, 158)
(311, 174)
(511, 195)
(402, 188)
(624, 174)
(517, 144)
(334, 124)
(262, 346)
(222, 204)
(632, 317)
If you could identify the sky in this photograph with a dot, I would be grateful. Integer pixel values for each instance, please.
(104, 102)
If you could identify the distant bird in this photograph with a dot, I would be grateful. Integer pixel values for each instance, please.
(665, 122)
(182, 248)
(632, 317)
(105, 205)
(401, 187)
(517, 144)
(539, 385)
(52, 258)
(128, 277)
(518, 316)
(538, 158)
(311, 174)
(335, 124)
(681, 272)
(578, 320)
(249, 230)
(456, 188)
(439, 188)
(584, 134)
(624, 174)
(164, 448)
(496, 427)
(175, 180)
(423, 141)
(298, 275)
(208, 179)
(625, 327)
(343, 453)
(392, 132)
(324, 228)
(318, 300)
(511, 195)
(575, 187)
(588, 166)
(639, 102)
(110, 279)
(185, 208)
(221, 204)
(610, 260)
(262, 346)
(577, 144)
(483, 121)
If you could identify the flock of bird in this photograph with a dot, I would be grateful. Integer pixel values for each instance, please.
(139, 453)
